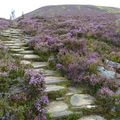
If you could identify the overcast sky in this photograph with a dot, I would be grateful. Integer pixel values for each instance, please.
(6, 6)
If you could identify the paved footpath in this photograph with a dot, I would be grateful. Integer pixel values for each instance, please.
(64, 99)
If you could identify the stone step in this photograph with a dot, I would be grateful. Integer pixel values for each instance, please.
(30, 57)
(54, 88)
(15, 44)
(79, 101)
(47, 72)
(17, 50)
(26, 52)
(25, 62)
(92, 117)
(17, 55)
(58, 109)
(39, 64)
(53, 80)
(14, 47)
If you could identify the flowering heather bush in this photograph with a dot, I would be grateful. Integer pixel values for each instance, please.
(31, 26)
(4, 24)
(105, 91)
(36, 89)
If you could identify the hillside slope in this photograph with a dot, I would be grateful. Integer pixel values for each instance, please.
(76, 10)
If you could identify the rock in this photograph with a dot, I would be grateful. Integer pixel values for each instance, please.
(25, 62)
(17, 50)
(14, 47)
(112, 64)
(50, 88)
(92, 117)
(58, 109)
(73, 90)
(31, 57)
(52, 80)
(27, 52)
(39, 64)
(82, 101)
(106, 73)
(50, 73)
(18, 55)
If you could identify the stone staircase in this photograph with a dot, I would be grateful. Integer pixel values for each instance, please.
(65, 101)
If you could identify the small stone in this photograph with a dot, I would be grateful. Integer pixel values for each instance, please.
(50, 88)
(81, 100)
(92, 117)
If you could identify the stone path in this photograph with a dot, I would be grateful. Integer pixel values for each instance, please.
(64, 99)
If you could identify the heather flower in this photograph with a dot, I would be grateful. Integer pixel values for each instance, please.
(69, 34)
(34, 77)
(58, 66)
(92, 58)
(49, 40)
(105, 91)
(39, 105)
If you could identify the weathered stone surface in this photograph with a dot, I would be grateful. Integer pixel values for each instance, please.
(14, 47)
(50, 88)
(81, 100)
(30, 57)
(58, 109)
(17, 50)
(39, 64)
(27, 52)
(18, 55)
(106, 73)
(73, 90)
(112, 64)
(50, 80)
(92, 117)
(25, 62)
(50, 73)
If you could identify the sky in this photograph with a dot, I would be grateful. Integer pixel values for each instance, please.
(25, 6)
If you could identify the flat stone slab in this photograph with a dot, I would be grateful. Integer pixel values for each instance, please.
(112, 64)
(42, 70)
(9, 42)
(14, 47)
(74, 90)
(50, 73)
(57, 106)
(30, 57)
(51, 80)
(92, 117)
(27, 52)
(18, 55)
(53, 88)
(17, 50)
(58, 109)
(81, 100)
(39, 64)
(106, 73)
(25, 62)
